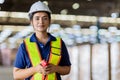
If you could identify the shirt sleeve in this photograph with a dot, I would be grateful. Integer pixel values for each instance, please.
(65, 59)
(20, 61)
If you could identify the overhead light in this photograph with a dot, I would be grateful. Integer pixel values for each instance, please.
(75, 5)
(46, 2)
(2, 1)
(64, 11)
(114, 15)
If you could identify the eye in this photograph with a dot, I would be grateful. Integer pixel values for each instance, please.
(36, 18)
(45, 18)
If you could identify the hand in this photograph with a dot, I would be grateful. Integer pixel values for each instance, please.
(50, 68)
(40, 69)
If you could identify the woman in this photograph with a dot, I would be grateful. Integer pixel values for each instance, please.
(42, 56)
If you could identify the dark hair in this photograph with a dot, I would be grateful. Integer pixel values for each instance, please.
(31, 15)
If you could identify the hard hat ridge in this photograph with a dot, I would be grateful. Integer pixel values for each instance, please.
(39, 6)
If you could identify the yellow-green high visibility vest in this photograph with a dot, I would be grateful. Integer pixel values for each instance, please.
(35, 57)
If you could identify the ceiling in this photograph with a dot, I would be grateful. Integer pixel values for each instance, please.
(98, 8)
(87, 7)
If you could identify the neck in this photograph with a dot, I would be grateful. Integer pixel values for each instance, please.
(42, 37)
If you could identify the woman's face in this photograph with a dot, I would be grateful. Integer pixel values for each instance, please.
(40, 21)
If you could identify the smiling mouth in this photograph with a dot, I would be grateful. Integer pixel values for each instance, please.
(41, 26)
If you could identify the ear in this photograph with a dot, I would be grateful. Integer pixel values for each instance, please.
(31, 22)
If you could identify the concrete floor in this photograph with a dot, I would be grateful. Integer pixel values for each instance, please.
(6, 73)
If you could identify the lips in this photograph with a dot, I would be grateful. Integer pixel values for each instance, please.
(40, 26)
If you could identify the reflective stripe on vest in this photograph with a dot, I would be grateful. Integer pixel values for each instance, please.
(35, 56)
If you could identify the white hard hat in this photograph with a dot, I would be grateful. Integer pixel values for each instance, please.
(39, 6)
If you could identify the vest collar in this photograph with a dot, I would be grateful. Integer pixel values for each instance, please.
(34, 39)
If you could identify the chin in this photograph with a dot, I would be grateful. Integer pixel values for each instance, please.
(41, 30)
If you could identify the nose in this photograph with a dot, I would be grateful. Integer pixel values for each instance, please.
(41, 20)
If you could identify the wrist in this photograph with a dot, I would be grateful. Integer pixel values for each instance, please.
(57, 68)
(36, 69)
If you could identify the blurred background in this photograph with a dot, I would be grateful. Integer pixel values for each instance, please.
(90, 29)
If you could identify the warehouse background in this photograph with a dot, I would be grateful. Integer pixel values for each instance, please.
(90, 29)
